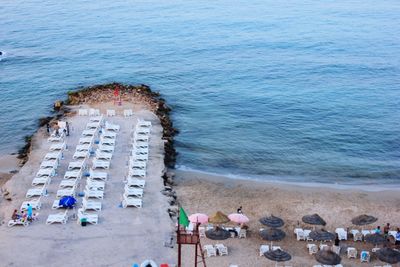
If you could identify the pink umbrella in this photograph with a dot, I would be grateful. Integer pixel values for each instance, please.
(198, 218)
(238, 218)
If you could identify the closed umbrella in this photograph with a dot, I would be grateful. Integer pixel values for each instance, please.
(272, 221)
(198, 218)
(328, 257)
(218, 218)
(322, 235)
(277, 255)
(363, 220)
(314, 219)
(238, 218)
(388, 255)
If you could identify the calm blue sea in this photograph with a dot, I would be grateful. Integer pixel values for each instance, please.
(294, 90)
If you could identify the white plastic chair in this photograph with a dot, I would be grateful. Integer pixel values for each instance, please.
(222, 250)
(210, 250)
(110, 112)
(263, 249)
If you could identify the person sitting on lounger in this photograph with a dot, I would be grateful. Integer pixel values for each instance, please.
(23, 216)
(378, 230)
(15, 215)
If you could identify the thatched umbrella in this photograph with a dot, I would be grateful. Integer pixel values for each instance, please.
(328, 257)
(375, 239)
(363, 220)
(218, 234)
(218, 218)
(314, 219)
(388, 255)
(277, 255)
(322, 235)
(272, 234)
(272, 221)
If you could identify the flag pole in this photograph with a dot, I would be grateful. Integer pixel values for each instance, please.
(178, 240)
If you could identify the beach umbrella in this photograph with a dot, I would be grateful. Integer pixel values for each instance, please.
(313, 219)
(277, 255)
(67, 202)
(198, 218)
(272, 234)
(363, 220)
(375, 239)
(272, 221)
(218, 234)
(388, 255)
(322, 235)
(328, 257)
(238, 218)
(218, 218)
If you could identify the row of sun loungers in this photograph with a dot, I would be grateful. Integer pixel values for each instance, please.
(217, 249)
(109, 112)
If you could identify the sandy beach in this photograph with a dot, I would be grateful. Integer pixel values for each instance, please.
(203, 193)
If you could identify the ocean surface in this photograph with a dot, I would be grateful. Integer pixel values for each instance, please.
(304, 91)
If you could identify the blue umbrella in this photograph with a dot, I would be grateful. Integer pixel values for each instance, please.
(67, 202)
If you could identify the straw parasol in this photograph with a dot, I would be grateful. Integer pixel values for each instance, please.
(218, 234)
(272, 234)
(363, 220)
(321, 235)
(277, 255)
(218, 218)
(198, 218)
(375, 239)
(238, 218)
(314, 219)
(328, 257)
(272, 221)
(388, 255)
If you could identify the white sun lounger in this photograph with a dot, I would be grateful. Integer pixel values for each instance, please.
(106, 148)
(12, 223)
(97, 175)
(46, 164)
(143, 123)
(68, 183)
(89, 132)
(134, 182)
(140, 151)
(110, 112)
(133, 192)
(92, 125)
(46, 172)
(36, 192)
(56, 138)
(93, 193)
(91, 218)
(86, 140)
(108, 135)
(66, 192)
(82, 112)
(107, 141)
(100, 164)
(140, 144)
(210, 250)
(138, 165)
(140, 157)
(98, 119)
(56, 204)
(77, 174)
(58, 147)
(91, 205)
(135, 173)
(142, 131)
(95, 185)
(58, 155)
(342, 233)
(103, 155)
(131, 201)
(81, 154)
(83, 147)
(76, 165)
(263, 249)
(61, 217)
(43, 180)
(222, 250)
(128, 113)
(94, 112)
(140, 137)
(112, 127)
(36, 204)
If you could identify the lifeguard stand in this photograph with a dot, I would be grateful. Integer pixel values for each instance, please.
(190, 238)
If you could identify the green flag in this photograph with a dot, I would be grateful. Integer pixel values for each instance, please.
(183, 218)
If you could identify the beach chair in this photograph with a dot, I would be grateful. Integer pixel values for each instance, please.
(108, 135)
(312, 248)
(134, 182)
(88, 133)
(307, 235)
(106, 148)
(143, 123)
(91, 218)
(110, 112)
(366, 232)
(56, 138)
(336, 249)
(242, 233)
(99, 194)
(81, 155)
(128, 113)
(202, 231)
(131, 201)
(263, 249)
(140, 137)
(100, 164)
(95, 185)
(94, 112)
(83, 148)
(140, 151)
(142, 130)
(135, 173)
(65, 192)
(57, 155)
(103, 155)
(98, 119)
(357, 236)
(133, 192)
(36, 192)
(351, 253)
(77, 165)
(139, 157)
(273, 248)
(90, 205)
(140, 144)
(44, 180)
(111, 127)
(93, 175)
(74, 174)
(46, 172)
(85, 140)
(107, 141)
(141, 165)
(323, 247)
(92, 125)
(36, 204)
(68, 183)
(221, 249)
(365, 256)
(82, 112)
(210, 250)
(56, 204)
(58, 147)
(46, 164)
(22, 222)
(341, 233)
(61, 217)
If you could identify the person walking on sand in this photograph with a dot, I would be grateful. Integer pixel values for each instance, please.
(29, 211)
(67, 125)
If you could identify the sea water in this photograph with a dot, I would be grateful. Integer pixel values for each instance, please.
(284, 90)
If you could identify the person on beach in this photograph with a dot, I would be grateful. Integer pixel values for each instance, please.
(378, 230)
(29, 210)
(15, 215)
(57, 133)
(397, 241)
(23, 216)
(67, 125)
(239, 210)
(48, 128)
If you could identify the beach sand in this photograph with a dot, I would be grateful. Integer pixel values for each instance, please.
(203, 193)
(122, 237)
